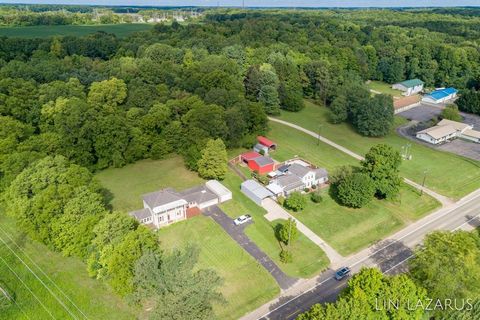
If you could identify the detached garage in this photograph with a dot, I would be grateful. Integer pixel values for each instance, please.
(255, 191)
(219, 189)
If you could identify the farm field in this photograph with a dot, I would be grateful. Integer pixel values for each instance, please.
(448, 174)
(69, 279)
(120, 30)
(308, 258)
(383, 87)
(129, 183)
(241, 273)
(350, 230)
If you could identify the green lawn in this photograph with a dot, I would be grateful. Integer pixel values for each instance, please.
(308, 258)
(127, 184)
(95, 299)
(447, 173)
(120, 30)
(247, 284)
(384, 88)
(349, 230)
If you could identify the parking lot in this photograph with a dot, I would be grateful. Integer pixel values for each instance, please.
(421, 113)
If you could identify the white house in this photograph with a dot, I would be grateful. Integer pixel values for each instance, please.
(447, 130)
(471, 135)
(440, 95)
(297, 177)
(167, 206)
(409, 87)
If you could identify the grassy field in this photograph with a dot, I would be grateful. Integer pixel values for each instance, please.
(120, 30)
(127, 184)
(247, 284)
(349, 230)
(385, 88)
(308, 258)
(68, 275)
(448, 174)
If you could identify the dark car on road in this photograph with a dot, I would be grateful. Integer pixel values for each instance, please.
(342, 273)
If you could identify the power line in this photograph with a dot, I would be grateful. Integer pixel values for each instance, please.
(33, 294)
(38, 278)
(43, 273)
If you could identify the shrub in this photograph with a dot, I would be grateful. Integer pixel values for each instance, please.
(288, 230)
(295, 201)
(451, 113)
(316, 197)
(286, 256)
(356, 190)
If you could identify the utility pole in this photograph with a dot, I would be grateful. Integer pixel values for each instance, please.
(423, 182)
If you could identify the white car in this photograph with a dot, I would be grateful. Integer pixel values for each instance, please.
(242, 219)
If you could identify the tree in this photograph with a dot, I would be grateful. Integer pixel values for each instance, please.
(338, 110)
(316, 197)
(382, 165)
(107, 95)
(448, 264)
(288, 231)
(213, 163)
(469, 101)
(268, 90)
(451, 113)
(295, 201)
(375, 118)
(356, 190)
(179, 289)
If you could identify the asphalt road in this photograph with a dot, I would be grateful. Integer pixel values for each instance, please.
(390, 256)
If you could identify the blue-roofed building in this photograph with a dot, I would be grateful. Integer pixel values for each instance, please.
(441, 95)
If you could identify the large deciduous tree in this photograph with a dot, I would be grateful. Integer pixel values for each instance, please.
(213, 162)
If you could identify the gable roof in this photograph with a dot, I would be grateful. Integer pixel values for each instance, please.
(289, 182)
(455, 124)
(162, 198)
(442, 93)
(439, 132)
(263, 161)
(411, 83)
(321, 173)
(256, 188)
(298, 170)
(140, 214)
(198, 195)
(266, 142)
(472, 133)
(250, 155)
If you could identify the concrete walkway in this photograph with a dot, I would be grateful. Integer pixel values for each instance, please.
(237, 233)
(442, 199)
(275, 211)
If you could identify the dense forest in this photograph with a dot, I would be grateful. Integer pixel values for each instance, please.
(70, 106)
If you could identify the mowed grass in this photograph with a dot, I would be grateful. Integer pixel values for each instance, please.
(308, 258)
(247, 285)
(68, 277)
(350, 230)
(128, 184)
(385, 88)
(448, 174)
(120, 30)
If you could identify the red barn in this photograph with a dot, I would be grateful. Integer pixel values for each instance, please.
(261, 164)
(247, 156)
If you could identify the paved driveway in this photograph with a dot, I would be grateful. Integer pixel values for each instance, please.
(237, 233)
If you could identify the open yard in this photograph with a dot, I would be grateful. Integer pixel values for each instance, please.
(65, 277)
(349, 230)
(247, 284)
(120, 30)
(448, 174)
(308, 258)
(383, 87)
(127, 184)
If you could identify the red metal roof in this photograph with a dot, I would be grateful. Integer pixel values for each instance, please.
(266, 142)
(250, 155)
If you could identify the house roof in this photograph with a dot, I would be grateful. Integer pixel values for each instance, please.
(275, 188)
(441, 93)
(457, 125)
(321, 173)
(472, 133)
(289, 182)
(263, 161)
(198, 195)
(140, 214)
(283, 168)
(411, 83)
(163, 197)
(256, 188)
(439, 132)
(250, 155)
(298, 170)
(266, 142)
(218, 188)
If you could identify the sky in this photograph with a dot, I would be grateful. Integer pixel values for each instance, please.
(265, 3)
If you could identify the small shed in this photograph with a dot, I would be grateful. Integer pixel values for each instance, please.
(267, 142)
(262, 165)
(219, 189)
(255, 191)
